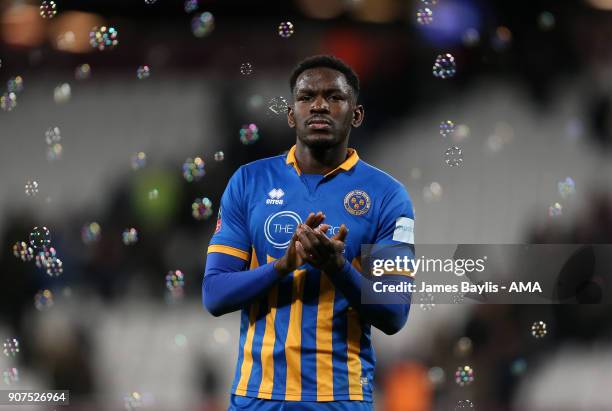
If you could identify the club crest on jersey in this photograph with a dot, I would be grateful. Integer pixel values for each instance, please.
(357, 202)
(275, 196)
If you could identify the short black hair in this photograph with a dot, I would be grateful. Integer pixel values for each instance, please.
(328, 61)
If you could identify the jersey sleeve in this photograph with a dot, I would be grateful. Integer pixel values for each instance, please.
(396, 219)
(231, 233)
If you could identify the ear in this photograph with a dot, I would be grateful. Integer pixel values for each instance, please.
(290, 117)
(358, 115)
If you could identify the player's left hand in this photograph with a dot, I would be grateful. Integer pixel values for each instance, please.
(320, 251)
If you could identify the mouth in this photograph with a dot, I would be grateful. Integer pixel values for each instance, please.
(319, 124)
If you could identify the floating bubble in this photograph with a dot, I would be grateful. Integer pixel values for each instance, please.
(201, 209)
(277, 105)
(43, 300)
(426, 302)
(567, 187)
(15, 85)
(285, 29)
(129, 236)
(555, 210)
(139, 160)
(66, 41)
(10, 347)
(90, 232)
(82, 72)
(154, 194)
(464, 375)
(221, 335)
(143, 72)
(429, 3)
(502, 38)
(175, 283)
(62, 93)
(8, 101)
(40, 237)
(219, 156)
(518, 367)
(54, 152)
(180, 340)
(53, 135)
(444, 67)
(133, 401)
(48, 9)
(447, 128)
(538, 329)
(22, 251)
(150, 1)
(10, 376)
(203, 24)
(432, 192)
(464, 405)
(194, 169)
(43, 255)
(55, 267)
(103, 38)
(246, 69)
(191, 6)
(546, 21)
(463, 347)
(436, 375)
(249, 134)
(453, 156)
(424, 16)
(31, 188)
(471, 37)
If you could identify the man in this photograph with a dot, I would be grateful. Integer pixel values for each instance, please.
(304, 333)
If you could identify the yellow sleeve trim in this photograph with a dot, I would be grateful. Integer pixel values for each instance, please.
(226, 249)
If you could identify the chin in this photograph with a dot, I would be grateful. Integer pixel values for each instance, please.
(320, 140)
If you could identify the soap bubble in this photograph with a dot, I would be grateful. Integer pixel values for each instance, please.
(143, 72)
(133, 401)
(464, 375)
(129, 236)
(202, 24)
(54, 152)
(249, 134)
(464, 405)
(518, 366)
(53, 135)
(424, 16)
(150, 1)
(14, 85)
(555, 210)
(175, 282)
(426, 302)
(278, 105)
(22, 251)
(219, 156)
(43, 300)
(82, 72)
(103, 38)
(31, 188)
(39, 237)
(567, 187)
(285, 29)
(191, 6)
(8, 101)
(10, 376)
(90, 232)
(10, 347)
(538, 329)
(429, 2)
(444, 67)
(43, 255)
(55, 267)
(139, 160)
(201, 209)
(194, 169)
(447, 128)
(246, 68)
(48, 9)
(471, 37)
(62, 93)
(546, 21)
(453, 156)
(436, 375)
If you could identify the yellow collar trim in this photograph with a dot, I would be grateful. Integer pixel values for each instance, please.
(346, 165)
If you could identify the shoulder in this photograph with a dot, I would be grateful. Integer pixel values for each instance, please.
(262, 165)
(379, 178)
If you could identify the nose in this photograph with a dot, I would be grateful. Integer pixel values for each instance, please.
(319, 104)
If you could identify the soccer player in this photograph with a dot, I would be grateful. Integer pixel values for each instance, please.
(305, 338)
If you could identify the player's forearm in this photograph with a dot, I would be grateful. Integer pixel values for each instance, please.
(224, 292)
(389, 318)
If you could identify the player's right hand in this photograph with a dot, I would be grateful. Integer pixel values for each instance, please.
(292, 260)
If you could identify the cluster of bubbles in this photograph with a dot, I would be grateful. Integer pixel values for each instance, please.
(538, 329)
(285, 29)
(278, 105)
(191, 6)
(82, 72)
(48, 9)
(154, 194)
(10, 347)
(14, 86)
(43, 300)
(202, 24)
(10, 376)
(219, 156)
(426, 302)
(453, 156)
(139, 160)
(31, 188)
(555, 210)
(447, 128)
(22, 251)
(567, 187)
(129, 236)
(464, 375)
(444, 66)
(194, 169)
(201, 209)
(249, 134)
(424, 15)
(175, 283)
(90, 233)
(62, 93)
(143, 72)
(133, 401)
(464, 405)
(246, 68)
(103, 38)
(53, 136)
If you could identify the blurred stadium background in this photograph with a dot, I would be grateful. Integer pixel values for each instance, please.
(531, 103)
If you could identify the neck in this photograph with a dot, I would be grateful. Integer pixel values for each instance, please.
(320, 161)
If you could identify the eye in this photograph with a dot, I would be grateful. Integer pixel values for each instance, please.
(337, 97)
(303, 98)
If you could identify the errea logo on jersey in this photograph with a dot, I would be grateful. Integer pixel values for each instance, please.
(275, 196)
